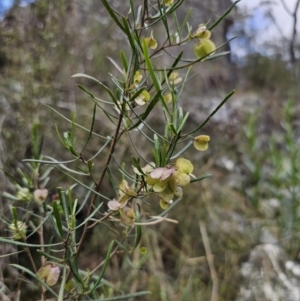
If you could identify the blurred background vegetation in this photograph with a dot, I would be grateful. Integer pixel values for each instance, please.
(253, 197)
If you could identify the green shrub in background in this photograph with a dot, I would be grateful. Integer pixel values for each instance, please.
(273, 166)
(140, 89)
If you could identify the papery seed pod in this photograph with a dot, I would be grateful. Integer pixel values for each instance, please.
(201, 142)
(162, 173)
(113, 205)
(160, 185)
(164, 204)
(202, 33)
(49, 272)
(181, 178)
(184, 165)
(40, 195)
(204, 48)
(127, 216)
(167, 194)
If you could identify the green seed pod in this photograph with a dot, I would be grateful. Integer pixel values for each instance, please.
(203, 48)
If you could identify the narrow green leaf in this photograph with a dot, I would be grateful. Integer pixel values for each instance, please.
(224, 15)
(212, 114)
(8, 174)
(90, 216)
(101, 84)
(18, 243)
(9, 196)
(182, 122)
(63, 203)
(57, 218)
(185, 19)
(156, 157)
(201, 178)
(157, 148)
(41, 146)
(62, 284)
(182, 150)
(111, 180)
(173, 146)
(73, 263)
(132, 10)
(35, 142)
(150, 68)
(172, 128)
(92, 127)
(59, 136)
(124, 297)
(115, 64)
(72, 133)
(129, 35)
(112, 14)
(15, 215)
(95, 99)
(138, 230)
(49, 256)
(87, 187)
(164, 19)
(104, 266)
(124, 60)
(78, 125)
(50, 162)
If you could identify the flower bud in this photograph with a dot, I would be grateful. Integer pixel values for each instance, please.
(18, 229)
(143, 98)
(137, 77)
(127, 216)
(169, 2)
(24, 194)
(151, 42)
(168, 98)
(174, 78)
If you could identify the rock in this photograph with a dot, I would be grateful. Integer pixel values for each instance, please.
(269, 275)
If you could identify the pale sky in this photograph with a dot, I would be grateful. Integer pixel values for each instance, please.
(260, 26)
(283, 19)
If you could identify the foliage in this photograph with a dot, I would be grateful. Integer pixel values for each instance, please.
(140, 89)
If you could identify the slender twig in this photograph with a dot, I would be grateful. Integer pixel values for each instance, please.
(294, 34)
(41, 237)
(210, 261)
(97, 188)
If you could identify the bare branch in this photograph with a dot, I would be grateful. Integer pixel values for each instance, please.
(294, 33)
(285, 7)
